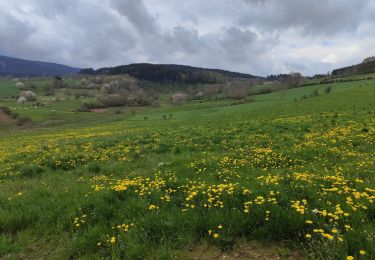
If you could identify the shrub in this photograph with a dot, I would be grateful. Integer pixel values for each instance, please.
(155, 103)
(179, 98)
(141, 99)
(58, 83)
(49, 90)
(115, 101)
(21, 100)
(210, 90)
(265, 90)
(20, 85)
(6, 110)
(315, 93)
(328, 90)
(94, 167)
(236, 91)
(28, 95)
(21, 121)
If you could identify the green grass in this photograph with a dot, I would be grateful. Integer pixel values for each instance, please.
(8, 88)
(259, 170)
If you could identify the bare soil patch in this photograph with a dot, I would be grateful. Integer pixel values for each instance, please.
(243, 250)
(5, 119)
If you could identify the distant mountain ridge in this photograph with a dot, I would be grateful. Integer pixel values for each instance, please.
(169, 73)
(21, 67)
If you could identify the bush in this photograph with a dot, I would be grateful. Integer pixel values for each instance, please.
(21, 121)
(315, 93)
(236, 91)
(179, 98)
(20, 85)
(210, 90)
(49, 90)
(94, 167)
(328, 90)
(9, 112)
(28, 95)
(115, 101)
(6, 110)
(264, 90)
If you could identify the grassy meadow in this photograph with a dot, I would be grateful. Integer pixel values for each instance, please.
(295, 175)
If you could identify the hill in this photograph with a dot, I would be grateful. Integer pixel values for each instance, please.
(170, 73)
(366, 67)
(189, 181)
(21, 67)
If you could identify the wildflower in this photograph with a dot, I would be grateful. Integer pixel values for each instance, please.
(330, 237)
(216, 235)
(153, 207)
(113, 240)
(349, 257)
(308, 222)
(308, 236)
(362, 252)
(220, 226)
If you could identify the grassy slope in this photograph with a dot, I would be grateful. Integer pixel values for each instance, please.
(48, 177)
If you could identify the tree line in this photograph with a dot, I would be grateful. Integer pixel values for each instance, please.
(170, 73)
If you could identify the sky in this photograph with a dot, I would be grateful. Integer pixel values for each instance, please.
(259, 37)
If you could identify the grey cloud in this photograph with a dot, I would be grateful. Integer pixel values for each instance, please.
(184, 40)
(14, 29)
(236, 43)
(137, 13)
(253, 36)
(325, 17)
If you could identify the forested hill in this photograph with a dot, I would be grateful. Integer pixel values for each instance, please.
(170, 73)
(366, 67)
